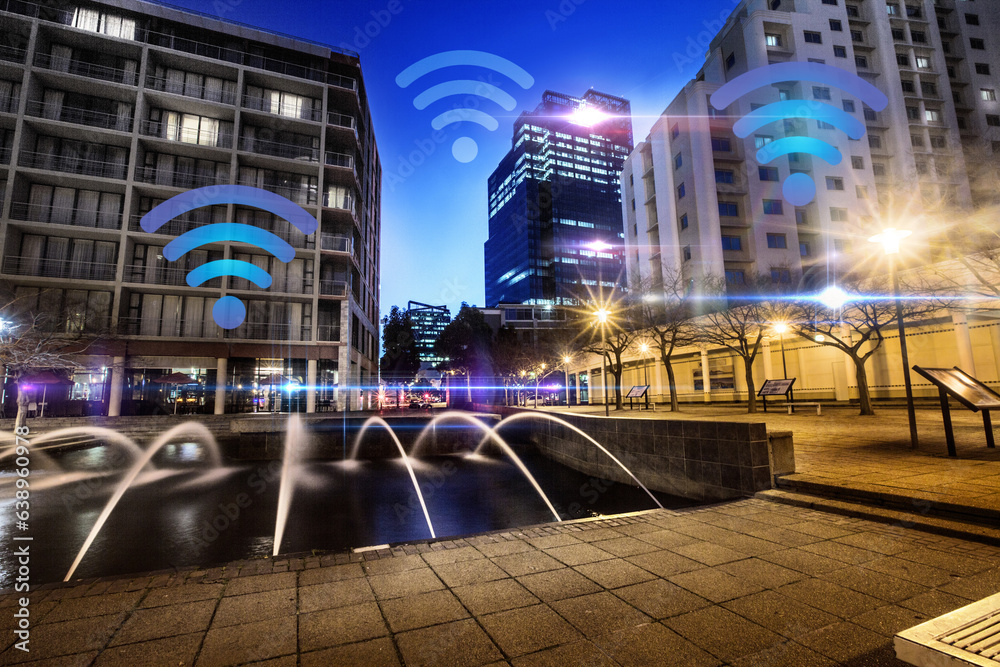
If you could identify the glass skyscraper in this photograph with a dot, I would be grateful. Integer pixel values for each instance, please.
(555, 227)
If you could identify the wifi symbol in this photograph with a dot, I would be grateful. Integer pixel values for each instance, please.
(229, 312)
(798, 189)
(465, 148)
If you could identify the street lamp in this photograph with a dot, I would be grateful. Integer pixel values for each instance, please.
(566, 360)
(890, 238)
(643, 349)
(602, 318)
(780, 328)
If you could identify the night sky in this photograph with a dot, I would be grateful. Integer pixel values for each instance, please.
(434, 214)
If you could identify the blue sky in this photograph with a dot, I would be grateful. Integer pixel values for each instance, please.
(434, 214)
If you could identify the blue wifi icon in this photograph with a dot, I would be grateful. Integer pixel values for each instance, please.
(798, 189)
(229, 312)
(464, 149)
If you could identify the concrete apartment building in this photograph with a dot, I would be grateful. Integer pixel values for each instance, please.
(109, 108)
(696, 202)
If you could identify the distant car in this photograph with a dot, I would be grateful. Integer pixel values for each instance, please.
(417, 404)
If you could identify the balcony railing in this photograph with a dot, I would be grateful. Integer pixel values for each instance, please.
(58, 268)
(342, 120)
(108, 121)
(174, 227)
(163, 275)
(13, 54)
(339, 160)
(89, 70)
(265, 331)
(298, 195)
(166, 85)
(178, 179)
(70, 164)
(173, 328)
(162, 130)
(5, 155)
(264, 104)
(328, 333)
(335, 243)
(9, 104)
(344, 202)
(279, 149)
(333, 288)
(58, 215)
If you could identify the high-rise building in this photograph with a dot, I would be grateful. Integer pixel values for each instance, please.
(555, 222)
(697, 203)
(108, 109)
(428, 323)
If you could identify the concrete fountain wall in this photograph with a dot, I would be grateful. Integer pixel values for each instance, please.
(705, 461)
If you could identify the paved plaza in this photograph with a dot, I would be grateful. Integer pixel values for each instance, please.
(750, 582)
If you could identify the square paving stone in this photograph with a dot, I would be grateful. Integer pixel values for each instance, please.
(505, 548)
(803, 561)
(934, 603)
(393, 565)
(451, 555)
(660, 599)
(157, 622)
(167, 652)
(417, 611)
(653, 644)
(322, 575)
(664, 563)
(558, 584)
(576, 653)
(595, 534)
(332, 627)
(842, 552)
(599, 613)
(458, 643)
(180, 594)
(666, 539)
(398, 585)
(578, 554)
(334, 594)
(81, 635)
(762, 572)
(625, 546)
(255, 607)
(785, 654)
(614, 573)
(883, 586)
(77, 660)
(722, 633)
(97, 605)
(550, 541)
(975, 587)
(948, 561)
(819, 529)
(925, 575)
(715, 585)
(780, 613)
(468, 572)
(830, 597)
(494, 596)
(374, 653)
(529, 562)
(843, 641)
(889, 620)
(235, 644)
(878, 542)
(528, 629)
(261, 583)
(784, 537)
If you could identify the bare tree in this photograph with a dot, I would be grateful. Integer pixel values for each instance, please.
(738, 320)
(666, 313)
(620, 332)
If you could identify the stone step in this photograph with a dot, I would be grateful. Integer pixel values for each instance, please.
(948, 527)
(928, 503)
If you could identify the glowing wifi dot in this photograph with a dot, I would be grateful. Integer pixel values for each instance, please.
(464, 149)
(798, 189)
(229, 312)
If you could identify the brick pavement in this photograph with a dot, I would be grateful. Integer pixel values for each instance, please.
(749, 582)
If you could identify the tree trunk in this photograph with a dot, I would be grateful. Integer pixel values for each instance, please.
(674, 405)
(751, 389)
(22, 409)
(618, 387)
(864, 394)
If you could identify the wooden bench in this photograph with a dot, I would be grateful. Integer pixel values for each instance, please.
(819, 408)
(966, 636)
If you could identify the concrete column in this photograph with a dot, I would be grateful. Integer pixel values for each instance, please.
(311, 366)
(995, 344)
(765, 353)
(963, 342)
(739, 375)
(117, 384)
(220, 385)
(658, 376)
(576, 381)
(706, 380)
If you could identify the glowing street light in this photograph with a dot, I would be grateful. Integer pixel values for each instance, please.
(890, 238)
(602, 315)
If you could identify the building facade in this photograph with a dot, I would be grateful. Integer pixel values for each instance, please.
(697, 203)
(428, 323)
(555, 204)
(108, 109)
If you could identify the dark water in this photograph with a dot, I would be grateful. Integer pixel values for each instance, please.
(186, 513)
